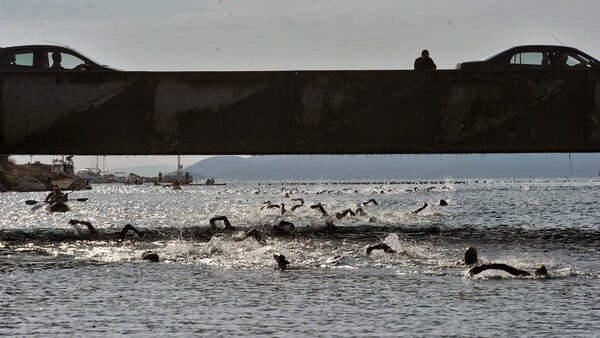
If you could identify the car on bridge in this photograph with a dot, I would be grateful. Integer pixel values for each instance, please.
(534, 57)
(47, 58)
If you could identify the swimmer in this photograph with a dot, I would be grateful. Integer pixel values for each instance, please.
(284, 227)
(266, 204)
(282, 263)
(319, 207)
(371, 201)
(381, 246)
(280, 206)
(225, 220)
(93, 230)
(252, 233)
(443, 203)
(541, 271)
(360, 212)
(420, 209)
(150, 256)
(301, 200)
(340, 215)
(470, 256)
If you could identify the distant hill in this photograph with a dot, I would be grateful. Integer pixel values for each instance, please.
(305, 167)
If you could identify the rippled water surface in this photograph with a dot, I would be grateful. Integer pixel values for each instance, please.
(58, 280)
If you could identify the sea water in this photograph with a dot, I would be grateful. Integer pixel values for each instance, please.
(57, 280)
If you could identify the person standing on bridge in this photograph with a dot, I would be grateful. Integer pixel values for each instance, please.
(424, 62)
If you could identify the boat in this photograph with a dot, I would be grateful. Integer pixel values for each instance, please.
(93, 175)
(58, 207)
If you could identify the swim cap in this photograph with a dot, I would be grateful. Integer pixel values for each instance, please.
(471, 255)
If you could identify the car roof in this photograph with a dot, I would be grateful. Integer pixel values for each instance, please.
(40, 47)
(521, 47)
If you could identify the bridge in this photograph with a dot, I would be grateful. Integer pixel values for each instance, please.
(300, 112)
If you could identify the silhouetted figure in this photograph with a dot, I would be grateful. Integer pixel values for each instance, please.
(252, 233)
(121, 234)
(424, 62)
(279, 206)
(371, 201)
(297, 206)
(420, 209)
(299, 199)
(560, 59)
(160, 177)
(150, 256)
(360, 212)
(225, 220)
(282, 263)
(541, 271)
(284, 227)
(381, 246)
(471, 256)
(319, 207)
(10, 59)
(56, 60)
(443, 203)
(55, 196)
(340, 215)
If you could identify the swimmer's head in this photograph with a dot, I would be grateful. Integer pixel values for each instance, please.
(282, 263)
(150, 256)
(541, 271)
(471, 255)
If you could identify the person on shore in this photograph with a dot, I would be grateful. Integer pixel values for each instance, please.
(424, 62)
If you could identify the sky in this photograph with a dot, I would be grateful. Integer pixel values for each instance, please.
(228, 35)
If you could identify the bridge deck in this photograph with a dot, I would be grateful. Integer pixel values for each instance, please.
(300, 112)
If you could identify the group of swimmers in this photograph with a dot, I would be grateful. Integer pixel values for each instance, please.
(472, 260)
(286, 228)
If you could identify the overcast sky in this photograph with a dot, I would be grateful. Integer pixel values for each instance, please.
(299, 35)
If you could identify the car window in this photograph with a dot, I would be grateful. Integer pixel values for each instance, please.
(527, 58)
(575, 59)
(62, 60)
(18, 59)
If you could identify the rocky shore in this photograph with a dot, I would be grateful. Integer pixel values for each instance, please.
(35, 177)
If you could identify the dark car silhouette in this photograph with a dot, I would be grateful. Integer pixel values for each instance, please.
(534, 57)
(46, 58)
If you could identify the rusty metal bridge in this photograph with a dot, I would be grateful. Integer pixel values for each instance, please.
(300, 112)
